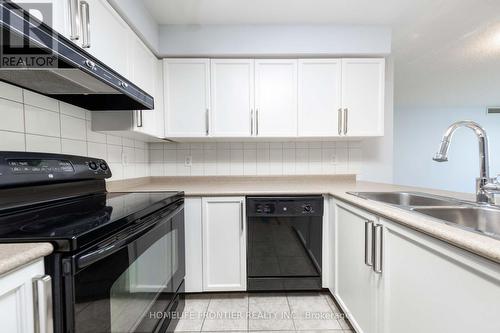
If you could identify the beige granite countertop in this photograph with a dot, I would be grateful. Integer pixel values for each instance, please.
(337, 186)
(15, 255)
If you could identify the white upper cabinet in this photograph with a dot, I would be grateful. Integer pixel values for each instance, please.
(320, 92)
(60, 16)
(232, 97)
(107, 35)
(276, 98)
(146, 71)
(187, 97)
(143, 65)
(363, 83)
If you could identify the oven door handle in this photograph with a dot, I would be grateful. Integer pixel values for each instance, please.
(87, 259)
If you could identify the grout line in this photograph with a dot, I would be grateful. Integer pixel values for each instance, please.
(24, 122)
(291, 312)
(206, 312)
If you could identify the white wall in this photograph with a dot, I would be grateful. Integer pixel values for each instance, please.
(36, 123)
(418, 132)
(273, 40)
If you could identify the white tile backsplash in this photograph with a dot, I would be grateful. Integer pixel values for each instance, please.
(12, 141)
(40, 101)
(255, 158)
(33, 122)
(73, 147)
(43, 144)
(12, 115)
(74, 111)
(42, 122)
(73, 128)
(11, 92)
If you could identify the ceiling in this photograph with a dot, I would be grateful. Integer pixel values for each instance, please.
(436, 43)
(278, 11)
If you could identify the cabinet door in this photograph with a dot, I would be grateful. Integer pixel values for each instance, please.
(187, 97)
(109, 36)
(276, 97)
(355, 280)
(144, 73)
(143, 65)
(319, 96)
(363, 83)
(224, 244)
(59, 16)
(431, 286)
(16, 298)
(232, 97)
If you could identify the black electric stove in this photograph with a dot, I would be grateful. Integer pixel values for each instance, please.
(113, 252)
(74, 223)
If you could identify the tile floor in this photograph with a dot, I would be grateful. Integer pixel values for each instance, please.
(261, 312)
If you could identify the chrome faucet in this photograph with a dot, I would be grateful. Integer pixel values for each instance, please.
(486, 187)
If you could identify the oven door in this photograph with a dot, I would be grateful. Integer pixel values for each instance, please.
(122, 284)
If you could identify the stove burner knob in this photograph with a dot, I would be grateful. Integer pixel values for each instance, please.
(103, 166)
(307, 208)
(93, 166)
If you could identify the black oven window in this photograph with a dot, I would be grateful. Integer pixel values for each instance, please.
(135, 291)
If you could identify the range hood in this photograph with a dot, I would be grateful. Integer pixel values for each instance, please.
(37, 58)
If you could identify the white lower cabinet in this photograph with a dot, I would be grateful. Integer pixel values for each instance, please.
(224, 244)
(430, 286)
(17, 301)
(355, 280)
(416, 283)
(215, 244)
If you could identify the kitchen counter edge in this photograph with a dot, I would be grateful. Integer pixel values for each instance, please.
(16, 255)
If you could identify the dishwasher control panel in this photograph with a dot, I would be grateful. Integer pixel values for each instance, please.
(285, 206)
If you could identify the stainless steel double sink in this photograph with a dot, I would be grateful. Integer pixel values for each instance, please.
(483, 219)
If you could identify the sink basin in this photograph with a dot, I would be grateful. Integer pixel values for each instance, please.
(480, 219)
(408, 199)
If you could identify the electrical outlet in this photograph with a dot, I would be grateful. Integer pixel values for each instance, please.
(188, 161)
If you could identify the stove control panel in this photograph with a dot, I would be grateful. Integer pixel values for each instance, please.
(35, 166)
(19, 168)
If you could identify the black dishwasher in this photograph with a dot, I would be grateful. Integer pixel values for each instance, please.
(284, 242)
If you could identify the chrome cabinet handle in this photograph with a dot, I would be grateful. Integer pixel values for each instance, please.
(377, 248)
(139, 119)
(339, 120)
(257, 122)
(369, 243)
(42, 304)
(346, 120)
(241, 211)
(207, 121)
(251, 122)
(85, 12)
(74, 18)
